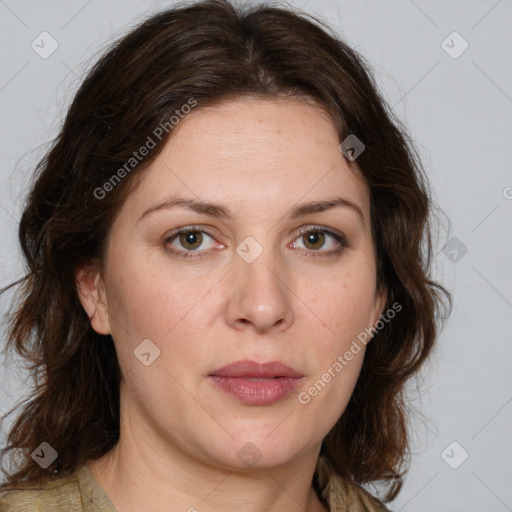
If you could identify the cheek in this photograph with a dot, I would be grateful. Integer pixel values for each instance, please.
(173, 312)
(345, 304)
(150, 303)
(326, 396)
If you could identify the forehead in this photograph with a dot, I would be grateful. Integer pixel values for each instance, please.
(244, 151)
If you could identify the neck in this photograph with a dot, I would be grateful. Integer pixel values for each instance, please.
(159, 476)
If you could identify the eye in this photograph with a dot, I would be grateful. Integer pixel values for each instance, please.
(190, 240)
(195, 242)
(315, 238)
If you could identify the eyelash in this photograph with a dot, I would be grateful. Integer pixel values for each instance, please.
(309, 253)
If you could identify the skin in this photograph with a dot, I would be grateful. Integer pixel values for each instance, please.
(180, 435)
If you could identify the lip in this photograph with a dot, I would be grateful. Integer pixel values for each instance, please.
(275, 381)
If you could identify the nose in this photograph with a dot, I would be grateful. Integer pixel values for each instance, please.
(259, 295)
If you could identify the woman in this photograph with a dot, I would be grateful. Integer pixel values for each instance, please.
(228, 278)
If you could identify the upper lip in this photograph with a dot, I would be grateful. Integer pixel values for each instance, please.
(248, 368)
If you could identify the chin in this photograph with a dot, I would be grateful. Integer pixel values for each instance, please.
(266, 451)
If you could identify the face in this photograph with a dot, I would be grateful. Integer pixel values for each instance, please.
(215, 259)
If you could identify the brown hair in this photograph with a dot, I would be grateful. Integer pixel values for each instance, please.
(211, 51)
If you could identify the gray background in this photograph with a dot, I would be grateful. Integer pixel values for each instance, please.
(458, 111)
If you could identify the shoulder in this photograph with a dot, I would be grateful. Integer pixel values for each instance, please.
(60, 495)
(343, 495)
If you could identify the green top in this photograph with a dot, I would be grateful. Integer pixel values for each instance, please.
(76, 492)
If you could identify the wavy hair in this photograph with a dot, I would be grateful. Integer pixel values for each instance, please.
(212, 51)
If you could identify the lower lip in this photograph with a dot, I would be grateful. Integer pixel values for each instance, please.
(256, 392)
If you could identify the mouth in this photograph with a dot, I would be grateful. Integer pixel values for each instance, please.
(253, 383)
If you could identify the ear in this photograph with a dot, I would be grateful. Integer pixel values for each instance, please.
(380, 304)
(91, 292)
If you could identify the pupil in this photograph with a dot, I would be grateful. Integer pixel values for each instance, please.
(315, 239)
(191, 238)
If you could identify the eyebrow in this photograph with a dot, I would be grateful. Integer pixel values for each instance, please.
(223, 212)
